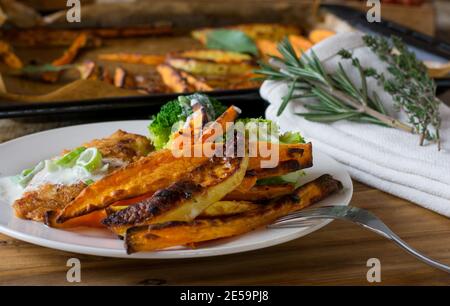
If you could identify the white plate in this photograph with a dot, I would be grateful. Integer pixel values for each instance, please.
(26, 151)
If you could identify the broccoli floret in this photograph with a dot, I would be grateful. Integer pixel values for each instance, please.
(177, 111)
(291, 137)
(266, 130)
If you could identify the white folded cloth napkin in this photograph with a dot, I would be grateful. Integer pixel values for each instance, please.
(385, 158)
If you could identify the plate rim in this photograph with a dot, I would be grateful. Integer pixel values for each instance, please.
(163, 254)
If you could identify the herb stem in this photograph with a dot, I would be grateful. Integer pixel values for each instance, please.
(363, 108)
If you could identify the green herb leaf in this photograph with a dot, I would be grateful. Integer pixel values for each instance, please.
(231, 40)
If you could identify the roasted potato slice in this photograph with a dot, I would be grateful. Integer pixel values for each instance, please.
(207, 67)
(185, 199)
(153, 172)
(175, 233)
(260, 192)
(227, 208)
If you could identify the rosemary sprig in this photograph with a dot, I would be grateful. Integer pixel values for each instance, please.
(336, 96)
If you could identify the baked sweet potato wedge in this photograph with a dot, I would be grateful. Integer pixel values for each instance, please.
(9, 57)
(228, 208)
(67, 57)
(283, 167)
(270, 31)
(260, 192)
(133, 58)
(217, 56)
(172, 78)
(302, 152)
(175, 233)
(317, 35)
(197, 83)
(208, 67)
(185, 199)
(147, 175)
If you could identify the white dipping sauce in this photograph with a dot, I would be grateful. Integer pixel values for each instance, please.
(55, 175)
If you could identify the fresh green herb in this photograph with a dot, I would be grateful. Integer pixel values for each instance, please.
(69, 159)
(338, 98)
(89, 181)
(177, 111)
(231, 40)
(411, 87)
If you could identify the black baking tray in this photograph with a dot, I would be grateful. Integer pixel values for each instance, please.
(247, 99)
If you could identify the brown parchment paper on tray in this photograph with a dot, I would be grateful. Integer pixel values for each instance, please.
(184, 16)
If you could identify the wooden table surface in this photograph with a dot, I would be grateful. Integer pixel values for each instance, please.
(334, 255)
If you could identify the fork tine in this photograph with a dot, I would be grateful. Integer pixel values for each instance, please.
(293, 224)
(301, 213)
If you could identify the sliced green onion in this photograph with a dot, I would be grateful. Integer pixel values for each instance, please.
(68, 160)
(89, 181)
(26, 175)
(90, 159)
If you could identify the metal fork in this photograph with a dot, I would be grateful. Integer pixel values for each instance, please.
(356, 215)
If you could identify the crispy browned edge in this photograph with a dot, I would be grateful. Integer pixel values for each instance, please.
(166, 199)
(328, 185)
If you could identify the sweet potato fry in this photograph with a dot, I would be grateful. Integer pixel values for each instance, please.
(260, 193)
(218, 56)
(208, 67)
(68, 57)
(93, 219)
(301, 152)
(133, 58)
(198, 84)
(185, 199)
(9, 57)
(227, 208)
(256, 31)
(153, 172)
(316, 36)
(247, 183)
(230, 115)
(284, 167)
(300, 44)
(208, 132)
(169, 234)
(267, 47)
(172, 78)
(61, 37)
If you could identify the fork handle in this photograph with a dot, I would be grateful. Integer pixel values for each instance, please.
(418, 255)
(383, 230)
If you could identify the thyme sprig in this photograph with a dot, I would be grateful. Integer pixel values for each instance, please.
(411, 87)
(337, 97)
